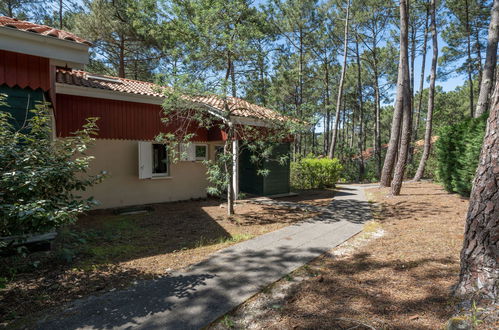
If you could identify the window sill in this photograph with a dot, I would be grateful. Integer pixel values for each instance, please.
(160, 177)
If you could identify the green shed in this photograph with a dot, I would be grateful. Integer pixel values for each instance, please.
(276, 182)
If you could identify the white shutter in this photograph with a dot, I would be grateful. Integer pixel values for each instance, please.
(145, 160)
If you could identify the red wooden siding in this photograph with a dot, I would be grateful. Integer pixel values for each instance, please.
(117, 119)
(24, 70)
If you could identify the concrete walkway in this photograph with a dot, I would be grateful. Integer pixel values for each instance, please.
(194, 298)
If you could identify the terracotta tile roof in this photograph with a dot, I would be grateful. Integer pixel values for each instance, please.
(13, 23)
(238, 106)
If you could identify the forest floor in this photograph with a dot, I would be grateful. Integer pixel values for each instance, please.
(398, 273)
(105, 252)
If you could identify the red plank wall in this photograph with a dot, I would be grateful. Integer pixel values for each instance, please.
(117, 119)
(24, 70)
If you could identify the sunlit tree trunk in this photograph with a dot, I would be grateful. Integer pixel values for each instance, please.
(490, 61)
(332, 147)
(431, 96)
(470, 62)
(421, 81)
(400, 102)
(405, 134)
(480, 253)
(361, 110)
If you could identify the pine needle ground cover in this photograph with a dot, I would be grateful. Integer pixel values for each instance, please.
(401, 280)
(109, 252)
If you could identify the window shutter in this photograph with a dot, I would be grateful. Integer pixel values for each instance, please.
(145, 160)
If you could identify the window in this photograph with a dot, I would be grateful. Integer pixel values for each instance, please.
(201, 151)
(160, 165)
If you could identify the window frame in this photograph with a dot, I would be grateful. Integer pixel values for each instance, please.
(167, 174)
(206, 148)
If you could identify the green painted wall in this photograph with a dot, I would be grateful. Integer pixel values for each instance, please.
(276, 182)
(19, 101)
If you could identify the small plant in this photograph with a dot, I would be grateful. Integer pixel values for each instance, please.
(475, 311)
(228, 322)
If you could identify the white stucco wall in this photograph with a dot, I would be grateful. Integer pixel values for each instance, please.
(122, 186)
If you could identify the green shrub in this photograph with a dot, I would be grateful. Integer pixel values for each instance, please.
(39, 175)
(312, 173)
(458, 152)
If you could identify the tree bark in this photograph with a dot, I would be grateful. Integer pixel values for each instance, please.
(328, 110)
(60, 15)
(405, 135)
(121, 64)
(332, 147)
(490, 61)
(480, 254)
(377, 115)
(361, 111)
(431, 96)
(470, 64)
(421, 82)
(398, 114)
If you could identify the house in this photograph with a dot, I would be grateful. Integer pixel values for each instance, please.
(42, 63)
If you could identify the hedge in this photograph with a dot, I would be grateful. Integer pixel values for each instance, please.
(458, 152)
(313, 173)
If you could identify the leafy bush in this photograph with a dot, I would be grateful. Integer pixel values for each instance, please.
(311, 173)
(458, 152)
(39, 175)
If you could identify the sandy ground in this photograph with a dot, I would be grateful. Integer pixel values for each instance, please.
(397, 274)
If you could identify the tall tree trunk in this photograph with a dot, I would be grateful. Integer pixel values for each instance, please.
(327, 125)
(490, 61)
(377, 115)
(405, 135)
(479, 55)
(121, 64)
(480, 253)
(229, 147)
(233, 79)
(470, 64)
(431, 96)
(332, 147)
(421, 82)
(10, 8)
(361, 110)
(60, 15)
(400, 102)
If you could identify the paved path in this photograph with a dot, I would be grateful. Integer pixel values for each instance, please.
(194, 298)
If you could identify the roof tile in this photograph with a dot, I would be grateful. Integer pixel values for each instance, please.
(239, 107)
(13, 23)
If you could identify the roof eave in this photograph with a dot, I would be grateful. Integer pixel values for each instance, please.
(61, 52)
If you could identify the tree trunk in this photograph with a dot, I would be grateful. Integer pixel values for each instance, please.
(490, 61)
(229, 169)
(332, 147)
(405, 135)
(421, 82)
(121, 64)
(431, 96)
(480, 254)
(60, 15)
(328, 110)
(361, 110)
(398, 114)
(233, 79)
(377, 119)
(470, 64)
